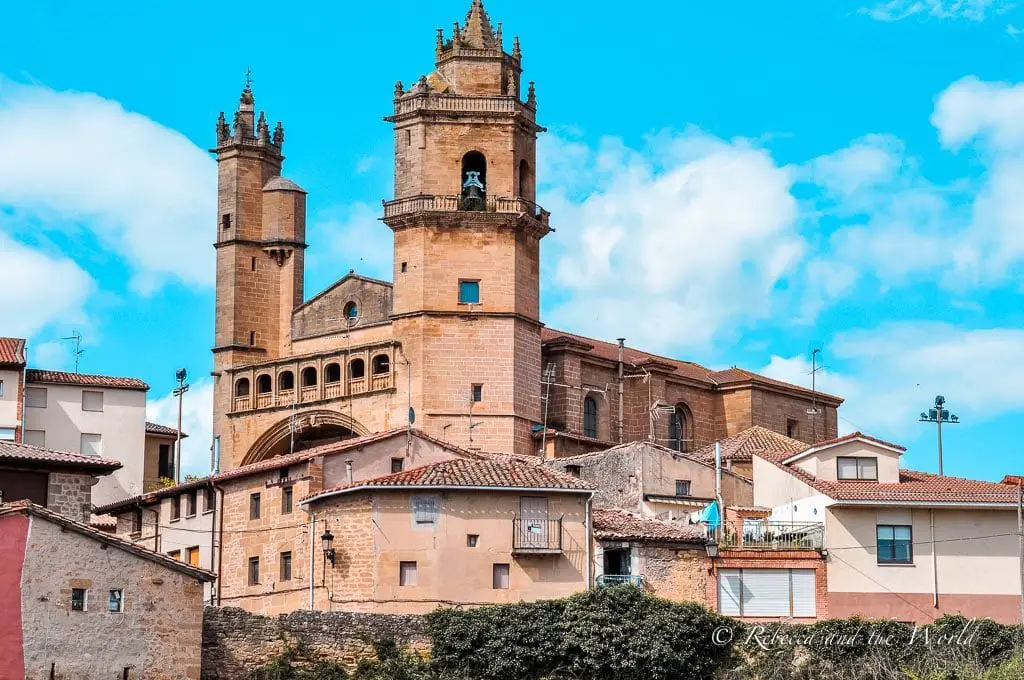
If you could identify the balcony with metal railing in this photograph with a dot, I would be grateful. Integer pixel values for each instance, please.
(616, 579)
(536, 536)
(492, 204)
(757, 534)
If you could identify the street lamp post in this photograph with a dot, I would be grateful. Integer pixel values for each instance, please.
(939, 415)
(179, 392)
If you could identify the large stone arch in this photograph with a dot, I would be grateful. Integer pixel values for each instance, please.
(309, 426)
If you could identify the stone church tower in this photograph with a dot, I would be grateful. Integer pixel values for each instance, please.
(467, 241)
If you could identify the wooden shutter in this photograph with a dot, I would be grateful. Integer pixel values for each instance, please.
(766, 592)
(804, 603)
(729, 592)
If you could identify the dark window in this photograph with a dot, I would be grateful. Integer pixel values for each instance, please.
(190, 508)
(242, 388)
(263, 384)
(332, 373)
(282, 474)
(397, 464)
(474, 181)
(351, 311)
(478, 393)
(115, 602)
(792, 428)
(857, 468)
(469, 292)
(176, 508)
(682, 487)
(309, 377)
(254, 506)
(573, 470)
(253, 265)
(617, 562)
(524, 180)
(78, 599)
(254, 571)
(678, 428)
(166, 464)
(286, 566)
(356, 369)
(209, 500)
(405, 267)
(381, 364)
(471, 540)
(286, 500)
(895, 544)
(225, 221)
(285, 380)
(590, 417)
(137, 522)
(499, 577)
(252, 337)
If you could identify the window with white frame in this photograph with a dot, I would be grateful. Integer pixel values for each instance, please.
(857, 468)
(92, 400)
(767, 592)
(79, 600)
(7, 434)
(407, 575)
(92, 444)
(425, 509)
(115, 603)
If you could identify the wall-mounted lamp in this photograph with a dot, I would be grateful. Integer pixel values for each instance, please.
(328, 544)
(712, 550)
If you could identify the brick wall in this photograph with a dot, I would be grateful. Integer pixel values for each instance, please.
(754, 559)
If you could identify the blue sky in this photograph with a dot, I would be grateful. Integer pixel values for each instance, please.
(732, 183)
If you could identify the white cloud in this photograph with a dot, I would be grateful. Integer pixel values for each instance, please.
(196, 422)
(866, 163)
(971, 10)
(971, 109)
(38, 289)
(146, 192)
(672, 244)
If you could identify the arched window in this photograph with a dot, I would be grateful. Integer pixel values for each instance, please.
(474, 181)
(242, 387)
(356, 369)
(590, 417)
(285, 381)
(308, 376)
(332, 373)
(263, 384)
(525, 181)
(679, 434)
(381, 364)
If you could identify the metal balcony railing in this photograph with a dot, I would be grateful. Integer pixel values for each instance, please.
(536, 536)
(615, 579)
(756, 534)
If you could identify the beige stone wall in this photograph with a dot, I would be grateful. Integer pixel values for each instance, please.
(158, 636)
(70, 494)
(678, 574)
(772, 409)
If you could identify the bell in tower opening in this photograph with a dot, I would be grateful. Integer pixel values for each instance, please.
(474, 179)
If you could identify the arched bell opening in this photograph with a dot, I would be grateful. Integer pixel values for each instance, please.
(474, 182)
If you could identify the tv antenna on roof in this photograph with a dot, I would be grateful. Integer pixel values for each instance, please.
(76, 337)
(814, 411)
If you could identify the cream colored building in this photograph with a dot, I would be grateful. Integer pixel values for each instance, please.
(12, 385)
(900, 544)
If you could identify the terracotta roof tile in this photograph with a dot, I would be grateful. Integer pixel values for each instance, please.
(858, 435)
(757, 439)
(463, 473)
(154, 428)
(13, 451)
(29, 508)
(35, 375)
(12, 351)
(620, 525)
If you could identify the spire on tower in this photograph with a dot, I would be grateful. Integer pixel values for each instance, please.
(477, 32)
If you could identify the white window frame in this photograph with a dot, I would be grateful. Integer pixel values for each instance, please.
(859, 463)
(92, 392)
(405, 571)
(797, 583)
(36, 390)
(98, 448)
(85, 600)
(501, 576)
(120, 601)
(4, 431)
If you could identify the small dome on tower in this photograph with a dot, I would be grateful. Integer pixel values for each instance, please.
(282, 184)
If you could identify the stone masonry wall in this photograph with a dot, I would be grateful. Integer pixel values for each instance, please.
(235, 642)
(70, 494)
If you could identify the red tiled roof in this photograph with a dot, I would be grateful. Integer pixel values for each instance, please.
(686, 369)
(154, 428)
(858, 435)
(29, 508)
(34, 455)
(1016, 480)
(620, 525)
(464, 473)
(84, 379)
(12, 351)
(757, 439)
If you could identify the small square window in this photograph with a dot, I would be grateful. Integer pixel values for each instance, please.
(287, 495)
(469, 292)
(573, 470)
(857, 468)
(193, 556)
(397, 465)
(115, 603)
(225, 221)
(471, 540)
(79, 599)
(35, 438)
(407, 574)
(286, 566)
(499, 577)
(282, 474)
(254, 571)
(92, 400)
(35, 397)
(91, 444)
(175, 555)
(478, 393)
(254, 506)
(682, 487)
(425, 509)
(895, 544)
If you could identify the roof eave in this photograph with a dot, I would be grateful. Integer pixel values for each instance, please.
(439, 487)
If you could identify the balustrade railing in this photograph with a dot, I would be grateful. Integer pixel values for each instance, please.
(380, 382)
(451, 102)
(333, 389)
(264, 400)
(357, 385)
(308, 393)
(242, 403)
(285, 398)
(498, 204)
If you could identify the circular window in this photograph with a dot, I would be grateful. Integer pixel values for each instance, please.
(351, 311)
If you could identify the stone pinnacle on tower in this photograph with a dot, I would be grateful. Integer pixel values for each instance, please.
(477, 31)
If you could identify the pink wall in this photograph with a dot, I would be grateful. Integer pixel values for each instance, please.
(13, 536)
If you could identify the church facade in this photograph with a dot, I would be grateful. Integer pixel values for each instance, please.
(455, 341)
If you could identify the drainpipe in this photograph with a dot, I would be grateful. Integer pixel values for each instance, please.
(312, 565)
(718, 484)
(935, 562)
(590, 538)
(622, 344)
(220, 540)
